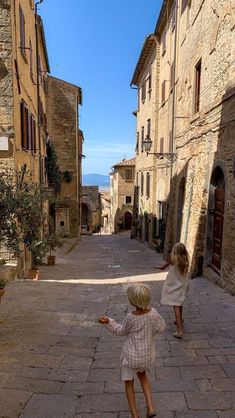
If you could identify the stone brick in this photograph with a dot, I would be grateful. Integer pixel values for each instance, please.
(41, 406)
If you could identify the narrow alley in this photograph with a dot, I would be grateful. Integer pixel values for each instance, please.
(57, 361)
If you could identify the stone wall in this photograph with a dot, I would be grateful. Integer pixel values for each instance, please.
(6, 87)
(63, 100)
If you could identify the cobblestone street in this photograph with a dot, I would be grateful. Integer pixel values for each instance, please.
(57, 361)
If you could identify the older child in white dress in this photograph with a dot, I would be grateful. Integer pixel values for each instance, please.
(176, 284)
(138, 352)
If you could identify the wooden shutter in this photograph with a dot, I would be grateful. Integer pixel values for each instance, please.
(149, 128)
(22, 28)
(24, 125)
(148, 185)
(142, 138)
(161, 148)
(29, 144)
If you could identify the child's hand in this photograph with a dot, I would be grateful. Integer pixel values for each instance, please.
(103, 320)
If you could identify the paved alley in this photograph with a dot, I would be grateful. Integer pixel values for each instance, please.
(57, 361)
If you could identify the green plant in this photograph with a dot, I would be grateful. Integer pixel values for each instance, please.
(2, 284)
(22, 215)
(53, 242)
(68, 176)
(53, 170)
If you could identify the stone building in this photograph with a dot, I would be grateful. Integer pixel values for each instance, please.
(146, 79)
(105, 205)
(63, 102)
(195, 132)
(122, 195)
(91, 208)
(23, 81)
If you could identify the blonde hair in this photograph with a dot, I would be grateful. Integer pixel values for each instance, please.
(139, 295)
(180, 258)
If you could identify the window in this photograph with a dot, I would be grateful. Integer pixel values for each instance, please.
(142, 138)
(170, 141)
(22, 30)
(149, 128)
(189, 4)
(197, 88)
(142, 184)
(30, 59)
(173, 18)
(28, 129)
(24, 125)
(148, 185)
(137, 143)
(128, 200)
(143, 96)
(150, 80)
(161, 145)
(129, 175)
(163, 91)
(163, 43)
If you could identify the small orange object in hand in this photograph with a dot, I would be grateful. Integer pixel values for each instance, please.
(103, 320)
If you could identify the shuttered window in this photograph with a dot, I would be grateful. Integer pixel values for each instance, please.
(137, 143)
(149, 128)
(28, 129)
(161, 145)
(148, 185)
(142, 184)
(142, 138)
(22, 30)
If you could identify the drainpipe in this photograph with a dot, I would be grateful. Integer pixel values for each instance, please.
(38, 89)
(173, 149)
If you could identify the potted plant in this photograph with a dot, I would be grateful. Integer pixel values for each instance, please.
(53, 242)
(22, 218)
(2, 288)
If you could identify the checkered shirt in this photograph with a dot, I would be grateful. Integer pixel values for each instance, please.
(139, 347)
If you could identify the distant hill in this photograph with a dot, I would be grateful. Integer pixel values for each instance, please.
(95, 180)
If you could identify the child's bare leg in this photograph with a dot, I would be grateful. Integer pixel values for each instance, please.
(130, 394)
(178, 319)
(181, 314)
(145, 384)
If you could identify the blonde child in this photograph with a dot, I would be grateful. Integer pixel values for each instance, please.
(138, 352)
(176, 285)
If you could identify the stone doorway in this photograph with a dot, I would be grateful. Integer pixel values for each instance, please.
(127, 220)
(85, 214)
(216, 219)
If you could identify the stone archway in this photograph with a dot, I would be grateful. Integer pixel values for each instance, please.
(216, 219)
(127, 220)
(85, 214)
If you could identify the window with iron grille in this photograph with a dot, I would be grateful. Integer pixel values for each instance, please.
(142, 184)
(197, 88)
(148, 185)
(129, 174)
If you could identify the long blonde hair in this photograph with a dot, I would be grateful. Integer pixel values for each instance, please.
(180, 258)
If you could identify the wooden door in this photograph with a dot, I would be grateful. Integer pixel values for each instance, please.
(218, 228)
(128, 220)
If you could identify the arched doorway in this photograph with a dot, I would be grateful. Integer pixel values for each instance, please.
(181, 197)
(127, 220)
(216, 217)
(85, 214)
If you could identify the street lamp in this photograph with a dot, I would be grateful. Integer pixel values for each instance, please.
(147, 145)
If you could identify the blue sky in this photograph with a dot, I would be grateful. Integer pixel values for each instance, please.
(96, 45)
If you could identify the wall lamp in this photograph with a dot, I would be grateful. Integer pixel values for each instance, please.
(147, 145)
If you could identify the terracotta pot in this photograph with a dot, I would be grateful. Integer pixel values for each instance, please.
(51, 260)
(2, 291)
(33, 274)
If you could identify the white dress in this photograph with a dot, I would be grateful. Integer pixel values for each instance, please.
(175, 288)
